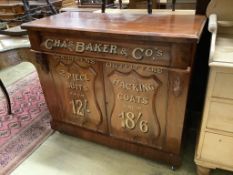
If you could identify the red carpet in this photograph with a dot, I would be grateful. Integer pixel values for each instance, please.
(27, 127)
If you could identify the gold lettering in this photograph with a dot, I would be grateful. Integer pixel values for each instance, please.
(115, 82)
(122, 66)
(113, 49)
(131, 122)
(136, 88)
(75, 58)
(140, 53)
(105, 48)
(76, 86)
(49, 44)
(132, 86)
(128, 86)
(80, 47)
(145, 100)
(158, 70)
(159, 53)
(56, 43)
(79, 107)
(123, 52)
(137, 53)
(64, 74)
(148, 52)
(97, 47)
(132, 98)
(89, 47)
(144, 126)
(79, 77)
(64, 44)
(71, 45)
(90, 61)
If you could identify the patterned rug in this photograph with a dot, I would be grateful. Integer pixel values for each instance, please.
(23, 131)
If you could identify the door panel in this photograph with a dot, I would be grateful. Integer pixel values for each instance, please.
(79, 84)
(136, 98)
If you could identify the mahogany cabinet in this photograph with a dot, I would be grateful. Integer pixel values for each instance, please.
(118, 79)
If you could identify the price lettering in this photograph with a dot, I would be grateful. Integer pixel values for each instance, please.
(130, 121)
(79, 107)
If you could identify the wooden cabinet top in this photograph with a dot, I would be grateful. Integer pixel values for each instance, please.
(156, 25)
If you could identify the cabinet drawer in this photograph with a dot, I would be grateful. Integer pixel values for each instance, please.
(220, 116)
(218, 149)
(157, 53)
(223, 85)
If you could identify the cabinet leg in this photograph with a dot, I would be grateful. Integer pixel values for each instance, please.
(202, 170)
(173, 168)
(7, 96)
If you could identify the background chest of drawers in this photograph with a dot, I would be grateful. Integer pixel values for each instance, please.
(215, 144)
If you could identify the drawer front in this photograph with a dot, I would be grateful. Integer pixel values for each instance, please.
(177, 55)
(223, 85)
(79, 87)
(220, 116)
(136, 102)
(218, 149)
(158, 53)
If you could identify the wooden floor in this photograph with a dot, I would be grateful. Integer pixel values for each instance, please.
(65, 155)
